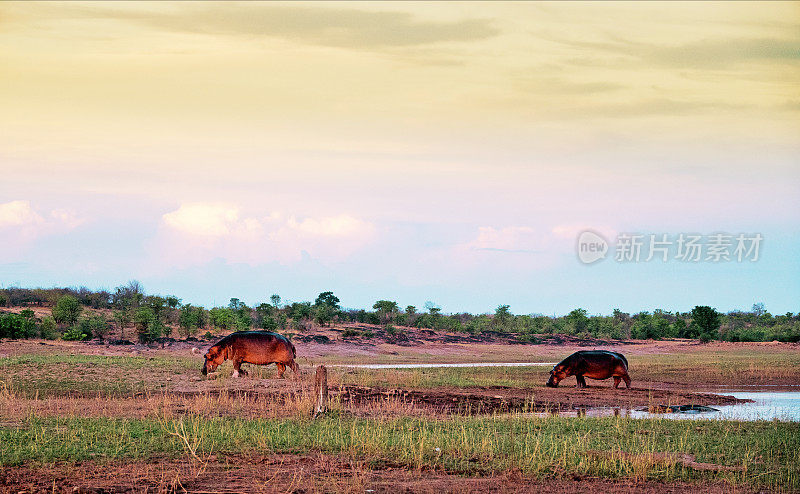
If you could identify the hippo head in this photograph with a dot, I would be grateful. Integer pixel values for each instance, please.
(214, 357)
(558, 373)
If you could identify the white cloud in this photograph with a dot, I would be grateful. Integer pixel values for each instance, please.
(203, 219)
(335, 226)
(21, 224)
(199, 232)
(510, 239)
(18, 213)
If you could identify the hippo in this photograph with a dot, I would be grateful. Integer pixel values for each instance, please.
(252, 347)
(595, 364)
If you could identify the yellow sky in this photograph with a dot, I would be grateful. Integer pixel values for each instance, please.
(395, 77)
(343, 131)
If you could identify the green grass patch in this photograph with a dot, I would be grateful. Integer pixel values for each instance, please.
(59, 374)
(541, 447)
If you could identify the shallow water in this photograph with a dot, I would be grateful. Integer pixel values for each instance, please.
(433, 366)
(767, 405)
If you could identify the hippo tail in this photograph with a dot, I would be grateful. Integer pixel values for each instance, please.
(294, 352)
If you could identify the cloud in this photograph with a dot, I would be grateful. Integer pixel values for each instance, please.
(21, 224)
(338, 27)
(719, 53)
(520, 239)
(197, 233)
(203, 219)
(336, 226)
(18, 213)
(558, 85)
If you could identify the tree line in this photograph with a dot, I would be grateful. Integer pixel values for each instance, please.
(136, 314)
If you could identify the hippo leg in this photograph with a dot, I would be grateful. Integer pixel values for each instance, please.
(617, 379)
(581, 381)
(627, 380)
(237, 369)
(295, 368)
(281, 369)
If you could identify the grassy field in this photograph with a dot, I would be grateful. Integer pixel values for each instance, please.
(759, 454)
(744, 366)
(66, 408)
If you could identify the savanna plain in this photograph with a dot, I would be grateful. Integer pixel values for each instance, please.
(90, 417)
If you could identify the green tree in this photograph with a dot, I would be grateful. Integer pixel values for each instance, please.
(148, 326)
(577, 320)
(47, 329)
(502, 315)
(386, 310)
(189, 319)
(323, 313)
(123, 319)
(707, 322)
(276, 300)
(67, 310)
(329, 299)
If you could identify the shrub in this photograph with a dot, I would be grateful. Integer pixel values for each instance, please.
(350, 333)
(148, 326)
(95, 326)
(17, 326)
(269, 323)
(190, 319)
(706, 320)
(67, 310)
(47, 329)
(76, 332)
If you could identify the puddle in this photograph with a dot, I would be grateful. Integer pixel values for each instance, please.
(434, 366)
(767, 405)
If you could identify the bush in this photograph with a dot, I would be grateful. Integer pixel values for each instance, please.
(148, 326)
(17, 326)
(67, 310)
(76, 333)
(94, 326)
(350, 333)
(190, 319)
(269, 323)
(47, 329)
(707, 322)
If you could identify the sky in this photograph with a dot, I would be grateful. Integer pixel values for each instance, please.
(440, 152)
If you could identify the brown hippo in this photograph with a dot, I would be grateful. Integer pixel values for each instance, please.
(595, 364)
(252, 347)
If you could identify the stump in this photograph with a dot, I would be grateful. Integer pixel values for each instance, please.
(320, 391)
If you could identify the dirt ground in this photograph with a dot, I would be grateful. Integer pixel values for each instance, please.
(181, 389)
(303, 474)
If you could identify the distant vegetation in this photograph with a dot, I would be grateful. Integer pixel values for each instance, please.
(135, 314)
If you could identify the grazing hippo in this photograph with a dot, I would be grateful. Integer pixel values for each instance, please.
(252, 347)
(595, 364)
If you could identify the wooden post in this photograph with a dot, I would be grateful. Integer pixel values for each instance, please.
(321, 391)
